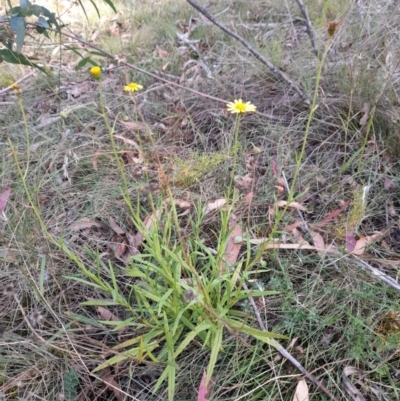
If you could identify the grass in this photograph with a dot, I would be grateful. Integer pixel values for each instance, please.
(118, 279)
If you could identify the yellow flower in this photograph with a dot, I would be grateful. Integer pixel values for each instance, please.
(17, 89)
(238, 106)
(95, 72)
(132, 87)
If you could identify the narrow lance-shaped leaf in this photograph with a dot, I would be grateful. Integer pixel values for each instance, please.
(18, 26)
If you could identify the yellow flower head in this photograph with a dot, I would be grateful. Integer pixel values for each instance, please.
(238, 106)
(17, 89)
(332, 27)
(132, 87)
(95, 72)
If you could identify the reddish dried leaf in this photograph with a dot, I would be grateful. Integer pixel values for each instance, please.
(291, 227)
(274, 167)
(248, 198)
(333, 214)
(203, 390)
(389, 184)
(120, 250)
(350, 242)
(363, 241)
(3, 200)
(118, 230)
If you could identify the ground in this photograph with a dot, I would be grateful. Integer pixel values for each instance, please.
(150, 236)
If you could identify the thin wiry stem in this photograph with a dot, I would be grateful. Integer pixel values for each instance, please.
(275, 70)
(287, 355)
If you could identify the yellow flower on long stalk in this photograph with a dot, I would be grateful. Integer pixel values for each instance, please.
(132, 87)
(95, 72)
(240, 107)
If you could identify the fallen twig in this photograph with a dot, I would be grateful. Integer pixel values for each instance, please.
(310, 29)
(17, 82)
(287, 355)
(377, 273)
(275, 70)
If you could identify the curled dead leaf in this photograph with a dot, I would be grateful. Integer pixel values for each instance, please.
(301, 392)
(294, 205)
(215, 205)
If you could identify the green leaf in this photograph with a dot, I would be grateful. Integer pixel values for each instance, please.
(131, 354)
(36, 10)
(190, 337)
(90, 284)
(43, 22)
(25, 3)
(83, 8)
(259, 334)
(71, 383)
(51, 18)
(18, 26)
(215, 349)
(256, 293)
(99, 303)
(110, 3)
(97, 10)
(18, 58)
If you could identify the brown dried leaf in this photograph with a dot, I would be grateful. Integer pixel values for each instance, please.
(291, 227)
(133, 125)
(232, 249)
(295, 205)
(351, 242)
(134, 144)
(349, 387)
(389, 184)
(95, 157)
(85, 223)
(105, 314)
(215, 205)
(363, 241)
(365, 110)
(112, 384)
(248, 198)
(180, 202)
(301, 393)
(319, 242)
(117, 229)
(245, 182)
(3, 199)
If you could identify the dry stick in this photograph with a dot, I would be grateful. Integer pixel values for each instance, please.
(275, 70)
(310, 29)
(391, 282)
(17, 82)
(287, 355)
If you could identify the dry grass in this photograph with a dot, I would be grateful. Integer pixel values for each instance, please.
(335, 313)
